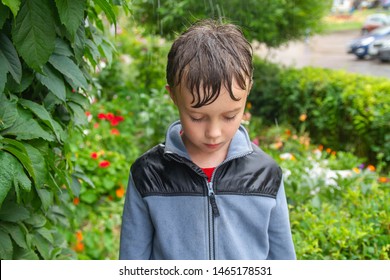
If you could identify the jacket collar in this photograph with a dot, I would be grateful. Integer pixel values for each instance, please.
(239, 146)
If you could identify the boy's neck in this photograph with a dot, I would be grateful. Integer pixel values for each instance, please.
(205, 160)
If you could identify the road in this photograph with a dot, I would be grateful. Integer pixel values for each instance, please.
(327, 51)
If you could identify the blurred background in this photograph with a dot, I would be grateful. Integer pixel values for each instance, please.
(80, 103)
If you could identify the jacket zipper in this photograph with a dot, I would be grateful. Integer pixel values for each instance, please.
(213, 212)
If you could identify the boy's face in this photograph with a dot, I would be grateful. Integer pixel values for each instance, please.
(208, 130)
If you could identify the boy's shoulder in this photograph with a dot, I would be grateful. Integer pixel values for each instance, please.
(257, 173)
(150, 158)
(263, 159)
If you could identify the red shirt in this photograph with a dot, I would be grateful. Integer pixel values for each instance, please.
(209, 172)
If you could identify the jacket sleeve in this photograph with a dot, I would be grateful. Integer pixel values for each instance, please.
(281, 245)
(137, 229)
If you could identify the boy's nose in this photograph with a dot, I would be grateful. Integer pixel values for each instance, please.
(213, 131)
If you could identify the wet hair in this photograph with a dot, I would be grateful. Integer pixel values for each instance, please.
(208, 56)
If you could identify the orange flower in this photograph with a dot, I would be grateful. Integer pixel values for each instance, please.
(333, 153)
(76, 201)
(356, 170)
(104, 164)
(79, 247)
(79, 235)
(383, 180)
(320, 147)
(328, 150)
(120, 192)
(303, 117)
(114, 131)
(249, 105)
(371, 168)
(278, 145)
(288, 132)
(96, 125)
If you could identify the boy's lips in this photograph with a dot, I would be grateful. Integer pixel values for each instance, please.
(213, 146)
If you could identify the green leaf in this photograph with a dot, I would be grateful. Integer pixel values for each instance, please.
(75, 186)
(17, 234)
(43, 115)
(53, 81)
(8, 112)
(26, 81)
(67, 67)
(12, 212)
(45, 233)
(7, 166)
(4, 13)
(89, 197)
(14, 5)
(79, 44)
(3, 73)
(36, 220)
(106, 49)
(26, 128)
(93, 51)
(107, 9)
(79, 116)
(38, 164)
(46, 198)
(71, 13)
(25, 254)
(19, 151)
(6, 248)
(42, 245)
(62, 48)
(33, 32)
(13, 63)
(21, 179)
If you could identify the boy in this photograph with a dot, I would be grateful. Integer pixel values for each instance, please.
(207, 192)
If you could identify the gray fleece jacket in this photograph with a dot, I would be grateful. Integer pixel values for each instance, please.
(171, 211)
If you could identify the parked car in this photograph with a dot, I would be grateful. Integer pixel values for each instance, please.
(359, 46)
(384, 52)
(375, 21)
(373, 48)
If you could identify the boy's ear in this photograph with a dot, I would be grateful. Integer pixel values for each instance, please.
(171, 93)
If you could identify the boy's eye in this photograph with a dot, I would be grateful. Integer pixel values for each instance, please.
(196, 119)
(230, 118)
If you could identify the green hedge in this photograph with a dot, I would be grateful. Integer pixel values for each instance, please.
(344, 111)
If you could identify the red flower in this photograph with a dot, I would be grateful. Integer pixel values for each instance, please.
(116, 120)
(110, 116)
(104, 164)
(87, 113)
(115, 131)
(76, 201)
(94, 155)
(102, 116)
(96, 125)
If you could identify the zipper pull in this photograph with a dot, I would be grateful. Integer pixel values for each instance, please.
(213, 202)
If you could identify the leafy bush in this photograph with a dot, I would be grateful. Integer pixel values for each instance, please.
(270, 22)
(338, 203)
(47, 49)
(344, 111)
(119, 131)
